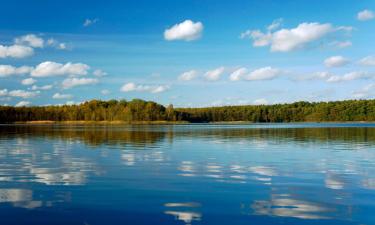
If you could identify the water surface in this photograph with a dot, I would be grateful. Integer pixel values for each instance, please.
(188, 174)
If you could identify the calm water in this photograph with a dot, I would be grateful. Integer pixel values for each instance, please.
(188, 174)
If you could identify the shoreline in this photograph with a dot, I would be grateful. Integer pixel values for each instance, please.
(50, 122)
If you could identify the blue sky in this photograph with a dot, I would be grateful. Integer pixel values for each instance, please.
(188, 53)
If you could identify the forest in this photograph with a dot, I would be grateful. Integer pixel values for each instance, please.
(138, 110)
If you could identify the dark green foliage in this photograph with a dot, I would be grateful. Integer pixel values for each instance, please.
(139, 110)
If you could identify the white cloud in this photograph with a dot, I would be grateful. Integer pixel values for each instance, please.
(367, 61)
(187, 31)
(62, 96)
(23, 103)
(105, 92)
(214, 75)
(129, 87)
(28, 81)
(365, 15)
(45, 87)
(286, 40)
(275, 24)
(336, 61)
(30, 40)
(265, 73)
(22, 94)
(73, 82)
(238, 74)
(15, 51)
(341, 44)
(3, 92)
(48, 69)
(261, 101)
(99, 73)
(56, 44)
(188, 75)
(8, 70)
(365, 92)
(89, 22)
(350, 76)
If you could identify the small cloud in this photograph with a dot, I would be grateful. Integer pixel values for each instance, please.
(105, 92)
(8, 70)
(188, 75)
(286, 40)
(15, 51)
(336, 61)
(187, 31)
(56, 44)
(130, 87)
(89, 22)
(238, 74)
(365, 15)
(341, 44)
(44, 88)
(350, 76)
(62, 96)
(265, 73)
(214, 75)
(260, 101)
(28, 81)
(73, 82)
(367, 61)
(99, 73)
(23, 103)
(22, 94)
(49, 69)
(31, 40)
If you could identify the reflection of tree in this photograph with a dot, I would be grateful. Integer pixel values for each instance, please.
(91, 135)
(303, 135)
(142, 135)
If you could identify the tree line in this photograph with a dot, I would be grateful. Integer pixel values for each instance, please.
(140, 110)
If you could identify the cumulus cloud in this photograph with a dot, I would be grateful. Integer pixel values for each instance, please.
(286, 40)
(350, 76)
(99, 73)
(48, 69)
(15, 51)
(31, 40)
(28, 81)
(44, 87)
(73, 82)
(367, 61)
(238, 74)
(23, 103)
(8, 70)
(62, 96)
(336, 61)
(21, 94)
(129, 87)
(188, 75)
(89, 22)
(365, 15)
(187, 31)
(214, 75)
(265, 73)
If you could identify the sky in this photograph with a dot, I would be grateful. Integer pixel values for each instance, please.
(187, 53)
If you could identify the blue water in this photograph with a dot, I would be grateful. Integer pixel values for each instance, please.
(188, 174)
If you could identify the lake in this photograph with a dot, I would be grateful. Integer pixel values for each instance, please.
(188, 174)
